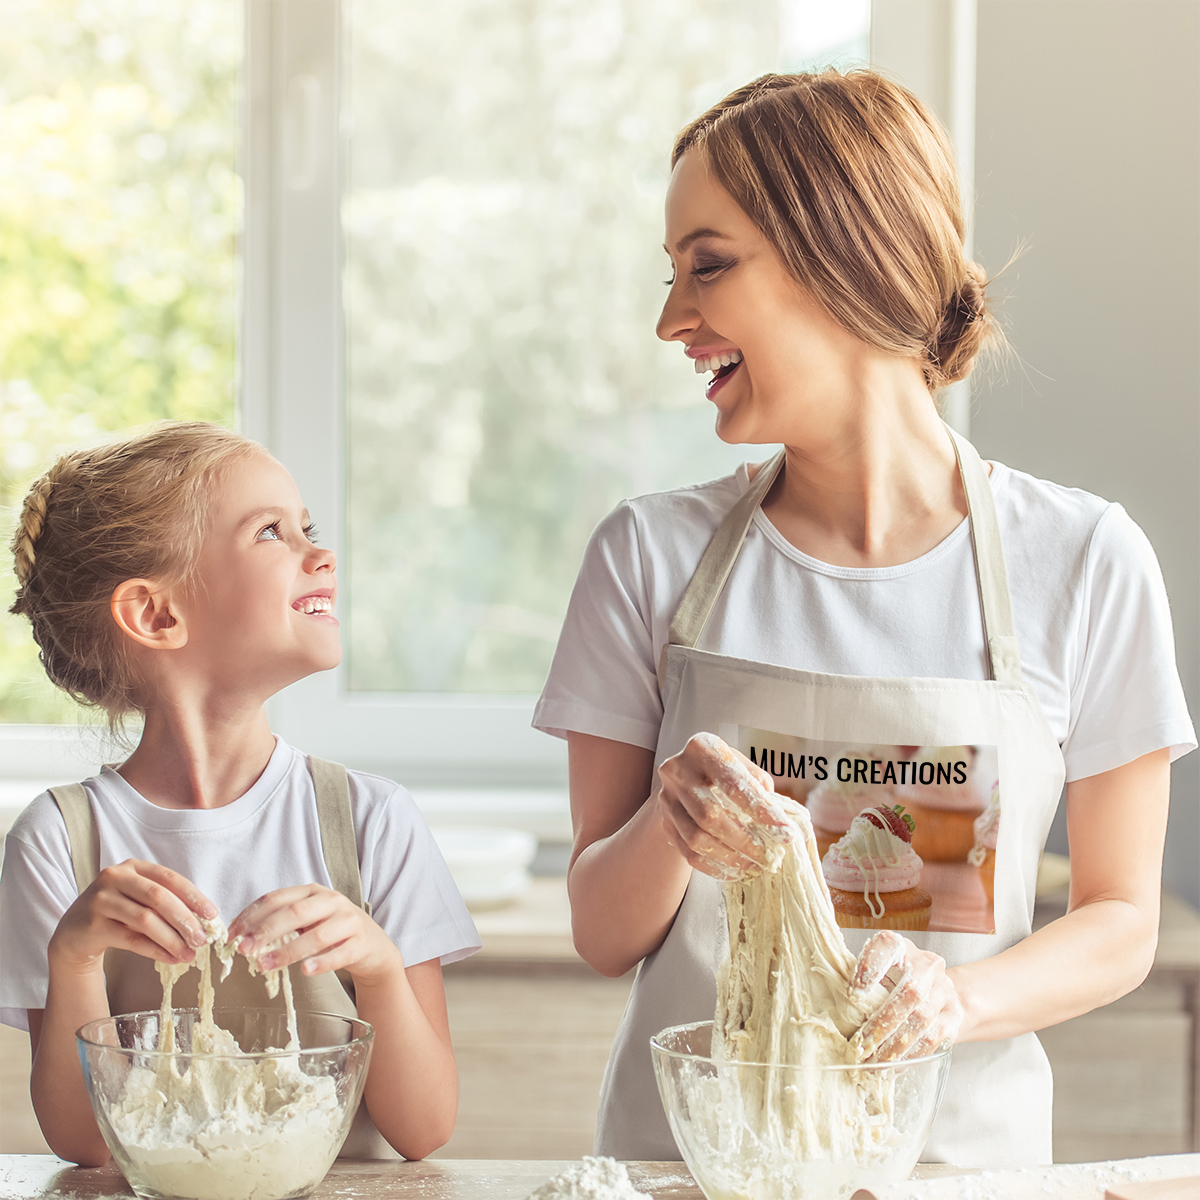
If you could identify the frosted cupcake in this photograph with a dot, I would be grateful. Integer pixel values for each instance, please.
(944, 795)
(983, 852)
(834, 803)
(874, 874)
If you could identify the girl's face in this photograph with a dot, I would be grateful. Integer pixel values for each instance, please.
(261, 615)
(792, 368)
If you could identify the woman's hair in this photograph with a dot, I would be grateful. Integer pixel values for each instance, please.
(853, 181)
(136, 508)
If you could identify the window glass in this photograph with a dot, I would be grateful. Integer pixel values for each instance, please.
(503, 228)
(119, 213)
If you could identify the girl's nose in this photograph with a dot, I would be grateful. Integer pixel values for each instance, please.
(321, 558)
(679, 316)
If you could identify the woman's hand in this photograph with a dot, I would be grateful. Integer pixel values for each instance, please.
(710, 799)
(138, 906)
(923, 1010)
(333, 934)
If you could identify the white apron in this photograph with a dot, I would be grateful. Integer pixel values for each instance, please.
(996, 1108)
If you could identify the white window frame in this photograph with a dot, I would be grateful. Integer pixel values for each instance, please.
(291, 385)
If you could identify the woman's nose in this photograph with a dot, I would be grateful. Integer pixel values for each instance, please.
(679, 317)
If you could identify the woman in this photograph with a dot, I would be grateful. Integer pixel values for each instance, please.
(855, 590)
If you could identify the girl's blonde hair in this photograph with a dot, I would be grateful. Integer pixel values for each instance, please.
(853, 181)
(136, 508)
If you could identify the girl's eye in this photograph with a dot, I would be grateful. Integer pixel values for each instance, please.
(310, 532)
(670, 282)
(269, 533)
(708, 270)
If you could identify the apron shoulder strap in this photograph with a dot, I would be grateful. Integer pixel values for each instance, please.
(336, 819)
(76, 808)
(991, 574)
(700, 598)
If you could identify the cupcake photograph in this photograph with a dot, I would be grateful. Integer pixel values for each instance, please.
(944, 793)
(874, 874)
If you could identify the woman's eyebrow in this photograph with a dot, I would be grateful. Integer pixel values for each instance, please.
(688, 239)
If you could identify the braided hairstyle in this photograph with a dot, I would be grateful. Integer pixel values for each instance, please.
(135, 508)
(853, 181)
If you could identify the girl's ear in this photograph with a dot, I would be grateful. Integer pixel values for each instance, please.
(142, 610)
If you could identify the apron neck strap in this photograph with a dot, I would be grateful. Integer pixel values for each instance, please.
(991, 574)
(691, 617)
(712, 573)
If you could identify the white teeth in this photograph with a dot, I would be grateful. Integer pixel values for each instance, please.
(314, 604)
(716, 361)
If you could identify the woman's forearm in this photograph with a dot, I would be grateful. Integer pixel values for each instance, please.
(1090, 957)
(625, 891)
(56, 1080)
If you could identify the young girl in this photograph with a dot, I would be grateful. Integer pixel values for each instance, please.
(176, 574)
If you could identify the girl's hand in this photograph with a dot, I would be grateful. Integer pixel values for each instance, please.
(138, 906)
(333, 934)
(923, 1010)
(710, 798)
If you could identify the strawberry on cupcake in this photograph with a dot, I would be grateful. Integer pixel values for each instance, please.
(874, 874)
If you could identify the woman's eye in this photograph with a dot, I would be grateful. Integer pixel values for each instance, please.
(708, 270)
(310, 532)
(269, 534)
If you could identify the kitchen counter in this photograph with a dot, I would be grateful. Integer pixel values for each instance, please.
(43, 1177)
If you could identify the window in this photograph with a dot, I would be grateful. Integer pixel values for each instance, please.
(450, 269)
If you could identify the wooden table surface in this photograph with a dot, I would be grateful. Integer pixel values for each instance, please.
(43, 1177)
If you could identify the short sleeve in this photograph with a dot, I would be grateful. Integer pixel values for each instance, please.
(405, 878)
(603, 679)
(36, 887)
(1126, 699)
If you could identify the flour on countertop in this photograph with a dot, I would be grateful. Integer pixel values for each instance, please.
(598, 1178)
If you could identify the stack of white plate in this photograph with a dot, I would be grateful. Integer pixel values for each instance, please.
(489, 866)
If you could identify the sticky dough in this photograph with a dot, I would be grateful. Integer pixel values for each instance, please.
(784, 996)
(228, 1127)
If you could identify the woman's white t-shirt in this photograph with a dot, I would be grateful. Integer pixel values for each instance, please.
(1089, 604)
(267, 839)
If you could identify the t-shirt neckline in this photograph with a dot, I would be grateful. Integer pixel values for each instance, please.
(950, 544)
(154, 816)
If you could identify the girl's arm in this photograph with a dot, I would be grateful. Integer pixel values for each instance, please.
(1104, 946)
(136, 906)
(412, 1083)
(636, 843)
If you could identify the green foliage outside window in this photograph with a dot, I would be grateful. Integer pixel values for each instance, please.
(119, 212)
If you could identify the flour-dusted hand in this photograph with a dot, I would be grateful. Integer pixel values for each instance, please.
(923, 1010)
(133, 905)
(332, 934)
(721, 811)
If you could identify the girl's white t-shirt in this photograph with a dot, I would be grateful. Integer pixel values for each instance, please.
(267, 839)
(1089, 604)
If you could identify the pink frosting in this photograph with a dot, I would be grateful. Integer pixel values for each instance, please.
(834, 805)
(871, 859)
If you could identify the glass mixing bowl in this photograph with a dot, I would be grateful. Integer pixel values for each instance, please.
(265, 1124)
(755, 1131)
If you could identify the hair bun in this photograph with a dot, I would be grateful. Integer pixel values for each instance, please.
(966, 326)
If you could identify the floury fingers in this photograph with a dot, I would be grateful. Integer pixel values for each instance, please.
(768, 818)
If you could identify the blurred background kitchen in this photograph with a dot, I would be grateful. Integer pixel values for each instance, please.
(415, 249)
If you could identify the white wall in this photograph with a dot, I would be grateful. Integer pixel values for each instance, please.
(1087, 149)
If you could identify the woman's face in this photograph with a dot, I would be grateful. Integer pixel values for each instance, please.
(794, 368)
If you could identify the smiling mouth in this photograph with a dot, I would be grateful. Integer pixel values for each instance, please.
(314, 605)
